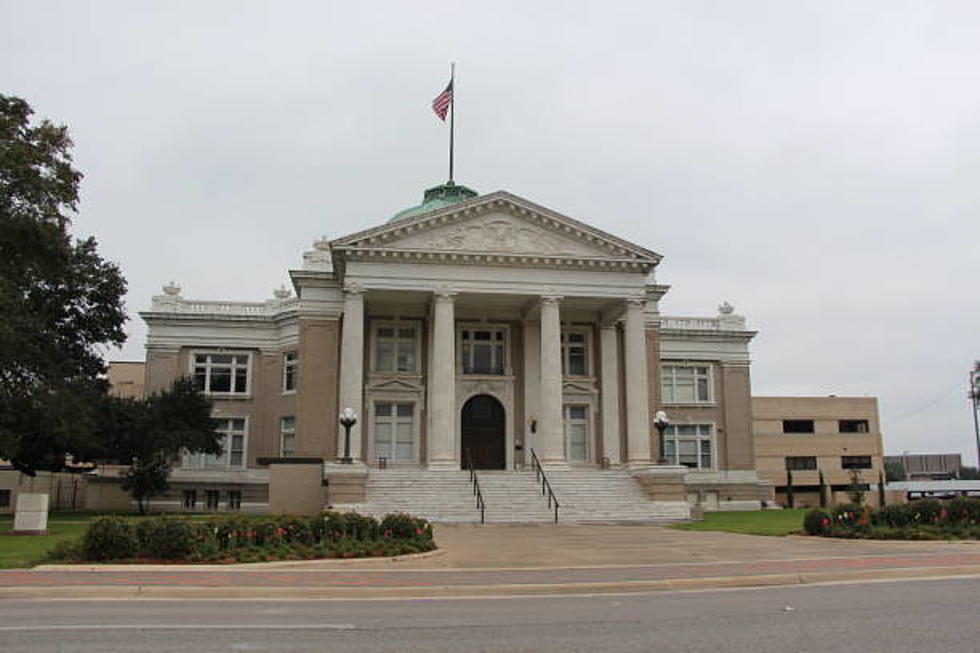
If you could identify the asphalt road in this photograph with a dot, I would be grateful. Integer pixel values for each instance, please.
(892, 617)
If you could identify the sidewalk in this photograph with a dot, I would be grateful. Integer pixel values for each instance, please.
(508, 560)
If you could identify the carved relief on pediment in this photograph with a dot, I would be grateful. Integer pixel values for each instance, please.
(498, 234)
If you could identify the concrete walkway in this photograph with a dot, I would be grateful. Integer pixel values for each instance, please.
(496, 560)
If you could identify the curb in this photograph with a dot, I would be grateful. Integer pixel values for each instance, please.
(249, 566)
(485, 591)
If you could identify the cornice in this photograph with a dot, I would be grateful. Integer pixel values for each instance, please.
(496, 259)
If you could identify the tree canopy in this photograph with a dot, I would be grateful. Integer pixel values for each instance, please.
(60, 301)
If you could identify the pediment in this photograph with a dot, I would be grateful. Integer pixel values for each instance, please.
(497, 224)
(395, 384)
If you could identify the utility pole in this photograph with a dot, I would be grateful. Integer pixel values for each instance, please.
(975, 398)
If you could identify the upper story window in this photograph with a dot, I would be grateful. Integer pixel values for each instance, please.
(290, 371)
(797, 426)
(855, 462)
(685, 384)
(801, 462)
(221, 373)
(396, 348)
(482, 351)
(575, 352)
(852, 426)
(232, 454)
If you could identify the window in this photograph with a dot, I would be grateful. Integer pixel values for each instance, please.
(852, 426)
(483, 351)
(574, 353)
(394, 431)
(690, 445)
(797, 426)
(395, 349)
(287, 429)
(4, 498)
(227, 373)
(232, 454)
(211, 499)
(855, 462)
(190, 499)
(234, 500)
(577, 433)
(290, 371)
(801, 462)
(681, 384)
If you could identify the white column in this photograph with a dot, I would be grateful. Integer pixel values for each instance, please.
(611, 445)
(550, 436)
(442, 384)
(532, 387)
(352, 368)
(637, 387)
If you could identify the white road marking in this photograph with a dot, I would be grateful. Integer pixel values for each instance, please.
(103, 627)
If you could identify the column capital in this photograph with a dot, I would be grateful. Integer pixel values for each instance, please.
(636, 302)
(551, 300)
(353, 289)
(444, 293)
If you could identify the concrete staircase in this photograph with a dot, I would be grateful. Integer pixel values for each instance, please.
(585, 496)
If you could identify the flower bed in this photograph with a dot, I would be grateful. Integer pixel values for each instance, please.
(926, 519)
(237, 538)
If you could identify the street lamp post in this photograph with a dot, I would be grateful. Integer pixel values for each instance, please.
(661, 422)
(975, 396)
(348, 419)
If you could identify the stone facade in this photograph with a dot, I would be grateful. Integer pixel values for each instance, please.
(482, 329)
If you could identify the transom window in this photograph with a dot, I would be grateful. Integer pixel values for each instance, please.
(395, 349)
(576, 433)
(290, 371)
(226, 373)
(685, 384)
(482, 351)
(232, 431)
(575, 353)
(287, 430)
(691, 445)
(394, 431)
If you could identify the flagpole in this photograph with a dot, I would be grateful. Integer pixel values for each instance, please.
(452, 117)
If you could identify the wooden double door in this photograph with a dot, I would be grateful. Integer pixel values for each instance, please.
(484, 433)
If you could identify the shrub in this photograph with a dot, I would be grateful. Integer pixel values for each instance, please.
(69, 550)
(926, 511)
(401, 526)
(965, 509)
(817, 522)
(110, 538)
(167, 538)
(334, 525)
(361, 527)
(894, 516)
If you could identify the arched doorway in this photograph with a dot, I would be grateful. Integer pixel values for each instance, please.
(484, 433)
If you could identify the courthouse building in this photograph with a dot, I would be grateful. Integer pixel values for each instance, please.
(471, 329)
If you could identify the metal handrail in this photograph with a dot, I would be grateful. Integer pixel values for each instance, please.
(545, 485)
(481, 505)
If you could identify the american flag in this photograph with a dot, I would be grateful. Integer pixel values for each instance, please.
(443, 101)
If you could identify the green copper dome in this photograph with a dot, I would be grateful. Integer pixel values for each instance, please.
(436, 198)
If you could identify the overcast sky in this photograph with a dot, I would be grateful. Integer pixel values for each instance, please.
(813, 163)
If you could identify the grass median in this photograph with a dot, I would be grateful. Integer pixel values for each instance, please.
(750, 522)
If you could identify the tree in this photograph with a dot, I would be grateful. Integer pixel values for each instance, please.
(59, 301)
(968, 473)
(895, 472)
(857, 490)
(149, 434)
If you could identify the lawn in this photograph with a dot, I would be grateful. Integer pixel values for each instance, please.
(750, 522)
(27, 550)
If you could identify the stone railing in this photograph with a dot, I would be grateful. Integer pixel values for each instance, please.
(177, 304)
(720, 323)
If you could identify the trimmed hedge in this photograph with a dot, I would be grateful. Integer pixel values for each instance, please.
(926, 519)
(238, 538)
